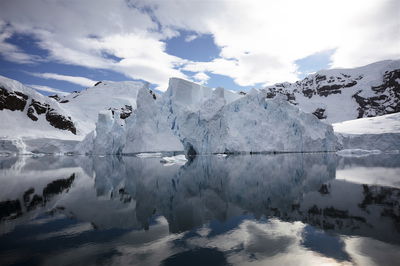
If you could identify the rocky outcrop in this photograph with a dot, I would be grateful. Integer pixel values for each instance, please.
(12, 100)
(386, 99)
(125, 112)
(60, 121)
(320, 113)
(36, 108)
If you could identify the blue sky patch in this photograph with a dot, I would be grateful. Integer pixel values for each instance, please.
(202, 48)
(314, 62)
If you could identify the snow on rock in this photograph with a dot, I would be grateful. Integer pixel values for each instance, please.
(85, 105)
(27, 113)
(337, 95)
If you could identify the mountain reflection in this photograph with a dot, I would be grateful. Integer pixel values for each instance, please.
(212, 194)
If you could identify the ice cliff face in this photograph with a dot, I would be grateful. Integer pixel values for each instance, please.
(148, 130)
(201, 120)
(251, 123)
(107, 138)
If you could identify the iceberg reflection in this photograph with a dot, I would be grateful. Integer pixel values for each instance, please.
(235, 210)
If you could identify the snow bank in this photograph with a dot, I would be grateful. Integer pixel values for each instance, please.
(385, 142)
(375, 133)
(370, 125)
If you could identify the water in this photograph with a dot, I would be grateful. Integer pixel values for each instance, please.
(293, 209)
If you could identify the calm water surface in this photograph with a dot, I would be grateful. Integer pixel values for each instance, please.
(293, 209)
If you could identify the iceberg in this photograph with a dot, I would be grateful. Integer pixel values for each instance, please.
(107, 138)
(148, 129)
(199, 120)
(249, 124)
(178, 159)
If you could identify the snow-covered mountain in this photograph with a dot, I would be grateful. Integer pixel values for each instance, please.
(27, 113)
(84, 106)
(344, 94)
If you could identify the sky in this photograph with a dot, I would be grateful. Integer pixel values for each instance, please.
(60, 46)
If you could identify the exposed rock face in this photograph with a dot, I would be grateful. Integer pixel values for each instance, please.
(36, 108)
(60, 121)
(319, 113)
(55, 119)
(14, 101)
(367, 91)
(125, 112)
(55, 97)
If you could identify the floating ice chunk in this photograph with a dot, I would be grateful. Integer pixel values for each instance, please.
(178, 159)
(149, 155)
(357, 152)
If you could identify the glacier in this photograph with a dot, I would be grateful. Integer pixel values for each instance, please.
(199, 120)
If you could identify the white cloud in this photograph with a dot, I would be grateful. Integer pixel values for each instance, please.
(190, 38)
(201, 78)
(72, 79)
(47, 89)
(265, 38)
(82, 32)
(10, 51)
(259, 40)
